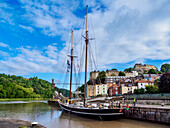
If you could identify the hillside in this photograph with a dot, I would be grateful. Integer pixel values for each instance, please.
(12, 86)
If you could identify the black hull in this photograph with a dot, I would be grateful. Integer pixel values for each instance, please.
(99, 114)
(54, 104)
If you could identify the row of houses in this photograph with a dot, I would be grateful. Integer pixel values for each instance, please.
(115, 79)
(113, 72)
(121, 85)
(138, 68)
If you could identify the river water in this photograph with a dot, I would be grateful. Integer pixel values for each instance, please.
(52, 117)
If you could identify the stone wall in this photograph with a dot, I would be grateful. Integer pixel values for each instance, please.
(161, 115)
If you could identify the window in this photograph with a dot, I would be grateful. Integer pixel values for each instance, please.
(116, 92)
(129, 84)
(116, 88)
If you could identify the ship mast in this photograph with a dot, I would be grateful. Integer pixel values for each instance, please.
(71, 56)
(87, 41)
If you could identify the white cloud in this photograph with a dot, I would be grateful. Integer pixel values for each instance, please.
(125, 31)
(131, 31)
(28, 61)
(30, 29)
(4, 54)
(54, 17)
(3, 45)
(52, 51)
(4, 14)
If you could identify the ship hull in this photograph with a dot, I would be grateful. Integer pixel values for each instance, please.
(99, 114)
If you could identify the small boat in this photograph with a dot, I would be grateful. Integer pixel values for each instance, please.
(90, 110)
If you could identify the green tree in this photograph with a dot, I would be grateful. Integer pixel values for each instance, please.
(122, 73)
(152, 71)
(101, 77)
(114, 69)
(164, 84)
(4, 93)
(151, 89)
(142, 91)
(165, 68)
(159, 72)
(113, 74)
(12, 86)
(156, 82)
(90, 82)
(139, 91)
(136, 91)
(20, 94)
(129, 69)
(145, 72)
(81, 88)
(1, 87)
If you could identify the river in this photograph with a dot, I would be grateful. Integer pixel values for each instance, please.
(52, 117)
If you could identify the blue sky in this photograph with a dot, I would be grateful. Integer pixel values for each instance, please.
(35, 34)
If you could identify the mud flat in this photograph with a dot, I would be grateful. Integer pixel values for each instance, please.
(14, 123)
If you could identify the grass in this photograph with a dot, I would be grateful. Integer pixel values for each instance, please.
(22, 99)
(23, 126)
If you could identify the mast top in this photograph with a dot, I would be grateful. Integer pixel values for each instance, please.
(86, 16)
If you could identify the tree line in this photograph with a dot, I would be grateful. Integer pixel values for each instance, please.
(12, 86)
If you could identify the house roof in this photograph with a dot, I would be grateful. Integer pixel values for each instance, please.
(143, 81)
(112, 84)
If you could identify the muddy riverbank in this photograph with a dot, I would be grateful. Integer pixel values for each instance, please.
(15, 123)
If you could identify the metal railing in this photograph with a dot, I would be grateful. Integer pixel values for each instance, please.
(156, 96)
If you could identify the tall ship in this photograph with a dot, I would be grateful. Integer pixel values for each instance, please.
(83, 107)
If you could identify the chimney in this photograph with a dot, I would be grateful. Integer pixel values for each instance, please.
(53, 84)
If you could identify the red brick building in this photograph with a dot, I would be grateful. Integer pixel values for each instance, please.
(113, 90)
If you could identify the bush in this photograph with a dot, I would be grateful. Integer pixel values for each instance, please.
(151, 89)
(122, 73)
(164, 84)
(139, 91)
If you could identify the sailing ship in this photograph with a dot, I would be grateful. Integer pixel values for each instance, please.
(89, 110)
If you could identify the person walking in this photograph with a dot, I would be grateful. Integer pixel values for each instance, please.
(134, 101)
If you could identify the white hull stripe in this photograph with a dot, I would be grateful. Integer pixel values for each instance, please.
(85, 113)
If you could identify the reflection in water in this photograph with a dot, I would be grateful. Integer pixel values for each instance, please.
(52, 117)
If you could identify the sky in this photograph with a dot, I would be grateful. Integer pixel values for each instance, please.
(35, 34)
